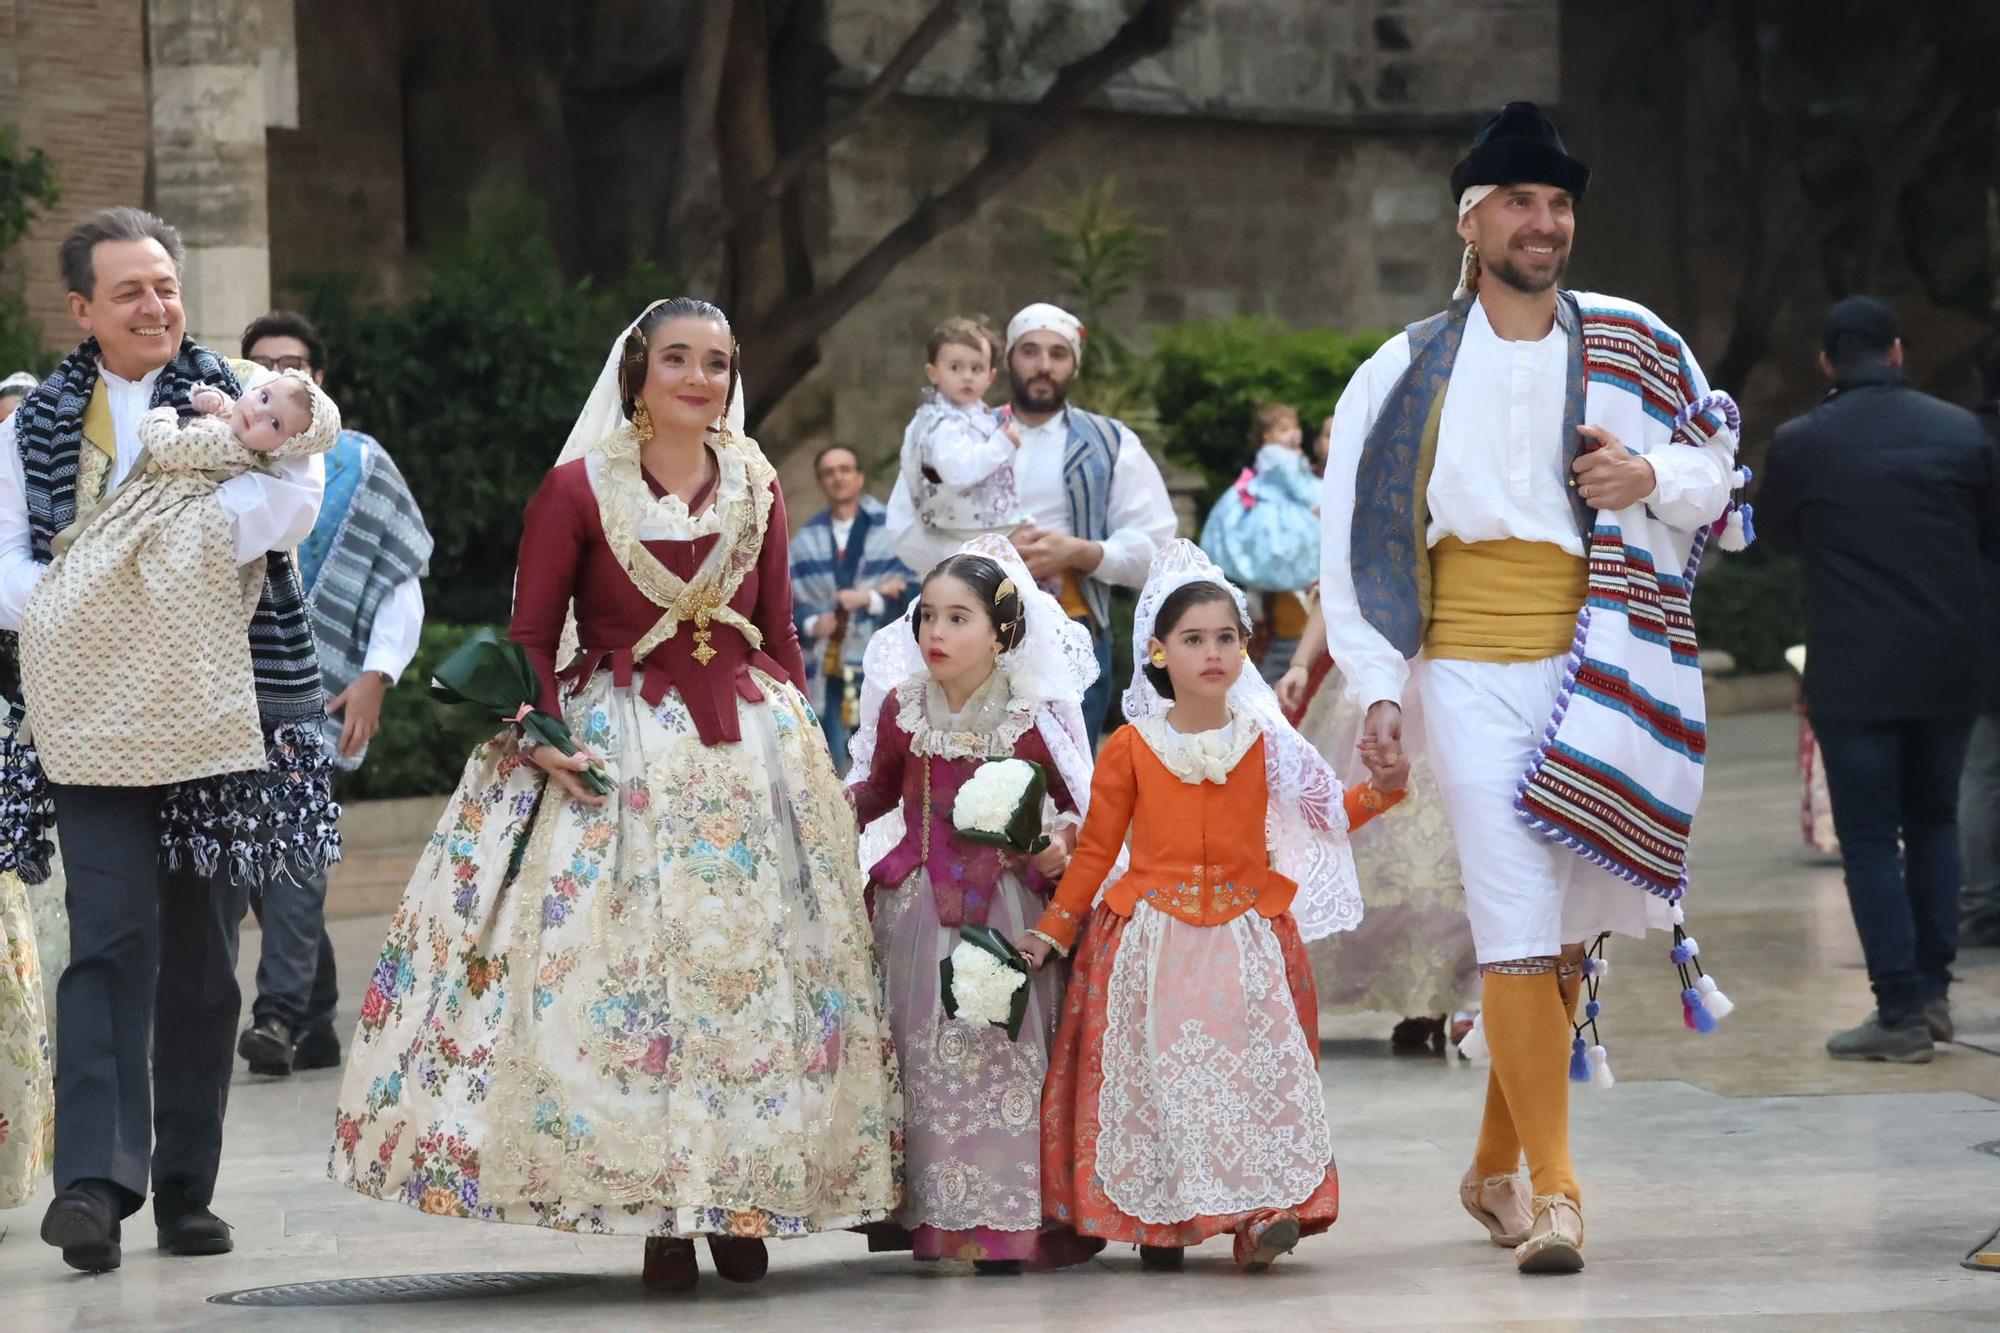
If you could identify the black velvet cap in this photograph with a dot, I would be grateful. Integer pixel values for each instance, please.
(1519, 144)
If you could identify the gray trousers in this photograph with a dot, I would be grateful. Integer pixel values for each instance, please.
(1979, 831)
(152, 971)
(296, 976)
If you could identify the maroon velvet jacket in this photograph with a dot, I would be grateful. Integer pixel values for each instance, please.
(565, 559)
(963, 874)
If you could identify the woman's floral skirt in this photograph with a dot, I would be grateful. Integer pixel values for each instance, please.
(27, 1099)
(656, 1017)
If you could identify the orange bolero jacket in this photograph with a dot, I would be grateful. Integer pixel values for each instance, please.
(1198, 849)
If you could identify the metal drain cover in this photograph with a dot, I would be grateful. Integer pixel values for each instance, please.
(408, 1289)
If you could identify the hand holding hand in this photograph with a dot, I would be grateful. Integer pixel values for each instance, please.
(1381, 745)
(1034, 950)
(852, 599)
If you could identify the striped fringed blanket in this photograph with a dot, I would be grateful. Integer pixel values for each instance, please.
(1619, 772)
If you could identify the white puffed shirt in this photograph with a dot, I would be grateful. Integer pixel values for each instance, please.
(1498, 474)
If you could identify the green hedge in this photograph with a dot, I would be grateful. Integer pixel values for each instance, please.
(1751, 606)
(1210, 379)
(411, 755)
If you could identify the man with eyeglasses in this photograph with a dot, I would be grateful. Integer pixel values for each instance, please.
(360, 571)
(845, 582)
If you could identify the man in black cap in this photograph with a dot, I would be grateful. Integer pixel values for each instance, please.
(1488, 468)
(1889, 495)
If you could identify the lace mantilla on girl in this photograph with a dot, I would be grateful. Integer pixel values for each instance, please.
(1305, 822)
(1045, 675)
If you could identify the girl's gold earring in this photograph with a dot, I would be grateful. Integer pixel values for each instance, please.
(642, 422)
(1160, 660)
(1246, 651)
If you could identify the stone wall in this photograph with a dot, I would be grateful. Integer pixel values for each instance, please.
(1309, 225)
(207, 61)
(73, 83)
(162, 104)
(1317, 61)
(1294, 156)
(337, 172)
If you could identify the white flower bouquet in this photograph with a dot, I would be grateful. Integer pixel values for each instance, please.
(1000, 805)
(985, 981)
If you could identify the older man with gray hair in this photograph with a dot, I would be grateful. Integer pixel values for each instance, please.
(1097, 506)
(158, 875)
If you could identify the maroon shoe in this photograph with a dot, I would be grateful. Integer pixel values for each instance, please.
(1263, 1239)
(739, 1258)
(670, 1264)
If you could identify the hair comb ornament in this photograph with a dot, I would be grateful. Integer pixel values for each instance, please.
(1006, 589)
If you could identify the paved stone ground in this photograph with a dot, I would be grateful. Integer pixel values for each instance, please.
(1735, 1181)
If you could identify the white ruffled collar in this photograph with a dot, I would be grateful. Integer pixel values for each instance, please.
(657, 518)
(993, 719)
(1203, 756)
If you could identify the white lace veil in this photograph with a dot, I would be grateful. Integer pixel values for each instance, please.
(1052, 665)
(604, 410)
(604, 413)
(1305, 821)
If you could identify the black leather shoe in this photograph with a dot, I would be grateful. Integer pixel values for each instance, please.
(267, 1045)
(317, 1048)
(193, 1231)
(84, 1227)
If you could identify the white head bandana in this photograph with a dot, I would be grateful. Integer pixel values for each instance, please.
(1042, 317)
(1471, 199)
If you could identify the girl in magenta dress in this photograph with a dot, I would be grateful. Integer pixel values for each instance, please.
(985, 666)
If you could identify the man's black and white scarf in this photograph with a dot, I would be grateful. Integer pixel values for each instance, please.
(255, 827)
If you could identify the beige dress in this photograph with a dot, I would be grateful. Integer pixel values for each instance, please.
(147, 586)
(1412, 954)
(27, 1099)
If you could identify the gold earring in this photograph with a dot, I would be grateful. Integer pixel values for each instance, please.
(1160, 660)
(642, 422)
(1246, 651)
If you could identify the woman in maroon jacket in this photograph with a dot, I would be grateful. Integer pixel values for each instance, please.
(655, 1012)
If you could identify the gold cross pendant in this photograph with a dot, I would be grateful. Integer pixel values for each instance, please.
(703, 652)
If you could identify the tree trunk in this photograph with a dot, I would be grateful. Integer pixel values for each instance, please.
(1014, 142)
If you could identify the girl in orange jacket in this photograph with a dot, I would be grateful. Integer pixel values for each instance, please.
(1183, 1097)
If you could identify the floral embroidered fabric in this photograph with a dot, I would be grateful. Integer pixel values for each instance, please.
(657, 1017)
(27, 1097)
